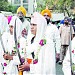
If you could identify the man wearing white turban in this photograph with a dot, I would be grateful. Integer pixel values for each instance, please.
(38, 28)
(42, 47)
(3, 27)
(9, 66)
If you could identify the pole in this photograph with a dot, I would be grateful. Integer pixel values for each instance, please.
(70, 47)
(21, 2)
(35, 6)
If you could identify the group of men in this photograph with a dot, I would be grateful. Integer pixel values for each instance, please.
(19, 45)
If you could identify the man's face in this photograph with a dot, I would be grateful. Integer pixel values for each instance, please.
(66, 22)
(20, 14)
(47, 18)
(33, 28)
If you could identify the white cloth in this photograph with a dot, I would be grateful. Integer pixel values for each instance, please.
(19, 25)
(53, 44)
(47, 54)
(66, 62)
(3, 23)
(8, 42)
(46, 57)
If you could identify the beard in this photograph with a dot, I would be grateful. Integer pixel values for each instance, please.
(21, 18)
(48, 20)
(66, 23)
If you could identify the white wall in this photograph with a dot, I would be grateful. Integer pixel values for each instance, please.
(57, 16)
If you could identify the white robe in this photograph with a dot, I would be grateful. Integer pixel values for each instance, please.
(8, 41)
(47, 53)
(46, 58)
(66, 62)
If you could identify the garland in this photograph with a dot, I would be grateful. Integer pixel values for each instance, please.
(41, 43)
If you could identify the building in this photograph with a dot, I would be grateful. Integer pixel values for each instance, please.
(28, 4)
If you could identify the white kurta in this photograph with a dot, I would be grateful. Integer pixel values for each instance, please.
(66, 63)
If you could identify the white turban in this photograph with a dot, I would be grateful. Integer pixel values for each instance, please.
(38, 19)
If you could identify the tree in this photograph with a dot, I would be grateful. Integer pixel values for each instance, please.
(56, 5)
(5, 6)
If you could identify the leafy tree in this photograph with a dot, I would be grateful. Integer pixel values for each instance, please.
(5, 6)
(59, 5)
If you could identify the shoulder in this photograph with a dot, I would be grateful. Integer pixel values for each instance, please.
(26, 20)
(5, 35)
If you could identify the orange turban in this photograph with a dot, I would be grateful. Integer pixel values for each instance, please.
(46, 11)
(22, 9)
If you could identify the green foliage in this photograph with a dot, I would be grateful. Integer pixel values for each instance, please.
(5, 6)
(59, 5)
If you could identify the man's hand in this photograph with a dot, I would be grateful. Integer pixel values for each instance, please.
(24, 67)
(24, 32)
(7, 57)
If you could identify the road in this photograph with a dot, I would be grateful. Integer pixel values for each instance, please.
(59, 69)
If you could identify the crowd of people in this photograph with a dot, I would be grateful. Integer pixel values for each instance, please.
(33, 47)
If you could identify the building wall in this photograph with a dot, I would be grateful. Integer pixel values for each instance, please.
(28, 4)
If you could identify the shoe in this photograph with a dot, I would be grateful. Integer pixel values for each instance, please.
(60, 62)
(57, 60)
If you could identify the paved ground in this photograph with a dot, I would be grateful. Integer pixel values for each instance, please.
(59, 69)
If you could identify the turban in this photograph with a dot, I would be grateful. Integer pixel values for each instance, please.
(66, 18)
(9, 19)
(46, 11)
(22, 9)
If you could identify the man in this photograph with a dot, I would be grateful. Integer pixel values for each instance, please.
(53, 33)
(22, 27)
(22, 24)
(65, 38)
(9, 57)
(8, 46)
(3, 27)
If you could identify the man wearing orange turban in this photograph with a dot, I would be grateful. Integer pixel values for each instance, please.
(54, 35)
(47, 14)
